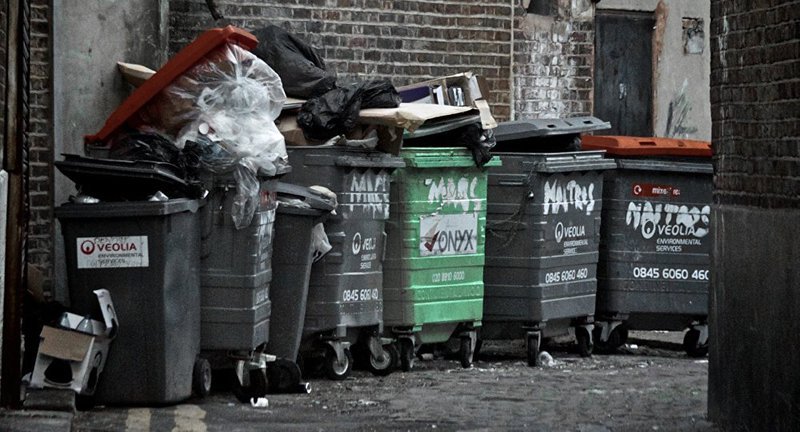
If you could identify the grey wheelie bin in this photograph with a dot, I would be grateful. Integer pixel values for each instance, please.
(654, 270)
(300, 210)
(543, 233)
(146, 254)
(235, 276)
(345, 298)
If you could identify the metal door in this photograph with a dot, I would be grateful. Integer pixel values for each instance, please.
(623, 77)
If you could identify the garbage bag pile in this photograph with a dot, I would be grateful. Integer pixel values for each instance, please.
(215, 108)
(224, 110)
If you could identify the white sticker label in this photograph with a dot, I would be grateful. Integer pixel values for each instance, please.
(451, 234)
(112, 252)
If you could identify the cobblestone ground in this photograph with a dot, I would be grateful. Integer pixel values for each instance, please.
(650, 386)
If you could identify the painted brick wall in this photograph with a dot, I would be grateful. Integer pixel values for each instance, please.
(755, 97)
(409, 41)
(40, 225)
(553, 62)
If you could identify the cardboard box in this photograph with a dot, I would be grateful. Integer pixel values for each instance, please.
(71, 359)
(464, 89)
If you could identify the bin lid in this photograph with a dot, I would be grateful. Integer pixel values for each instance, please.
(646, 146)
(126, 209)
(120, 180)
(442, 157)
(184, 60)
(533, 128)
(318, 203)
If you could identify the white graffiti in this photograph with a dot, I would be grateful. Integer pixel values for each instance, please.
(457, 193)
(559, 197)
(368, 193)
(668, 219)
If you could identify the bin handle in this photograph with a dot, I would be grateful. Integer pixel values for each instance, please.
(363, 162)
(595, 165)
(511, 183)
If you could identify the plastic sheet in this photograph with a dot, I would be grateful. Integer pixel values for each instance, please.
(225, 108)
(319, 242)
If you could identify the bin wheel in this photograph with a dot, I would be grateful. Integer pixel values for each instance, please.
(282, 376)
(691, 344)
(406, 354)
(532, 347)
(333, 369)
(256, 389)
(585, 346)
(617, 338)
(622, 334)
(466, 353)
(389, 363)
(201, 378)
(478, 346)
(84, 402)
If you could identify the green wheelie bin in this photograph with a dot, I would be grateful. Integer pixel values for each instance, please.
(433, 269)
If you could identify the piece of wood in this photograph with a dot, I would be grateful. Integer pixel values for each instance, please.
(135, 74)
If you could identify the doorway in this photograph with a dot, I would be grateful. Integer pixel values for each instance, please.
(623, 76)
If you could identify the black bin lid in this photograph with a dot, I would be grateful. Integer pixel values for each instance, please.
(122, 180)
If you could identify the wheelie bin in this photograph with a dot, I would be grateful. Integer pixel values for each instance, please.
(654, 269)
(300, 210)
(345, 297)
(543, 233)
(146, 254)
(235, 276)
(433, 271)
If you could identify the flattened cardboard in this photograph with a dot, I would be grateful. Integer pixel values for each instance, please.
(64, 344)
(84, 353)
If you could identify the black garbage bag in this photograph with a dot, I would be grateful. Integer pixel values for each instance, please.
(301, 68)
(472, 136)
(479, 141)
(336, 112)
(148, 146)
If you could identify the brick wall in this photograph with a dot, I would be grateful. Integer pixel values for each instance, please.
(553, 63)
(40, 225)
(755, 97)
(753, 379)
(409, 41)
(3, 42)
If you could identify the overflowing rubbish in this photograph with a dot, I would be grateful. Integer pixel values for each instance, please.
(297, 223)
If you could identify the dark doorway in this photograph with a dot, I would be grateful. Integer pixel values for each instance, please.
(623, 75)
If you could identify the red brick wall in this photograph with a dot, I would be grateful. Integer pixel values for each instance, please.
(755, 97)
(40, 226)
(3, 42)
(409, 41)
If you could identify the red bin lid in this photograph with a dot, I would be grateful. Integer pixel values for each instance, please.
(181, 62)
(646, 146)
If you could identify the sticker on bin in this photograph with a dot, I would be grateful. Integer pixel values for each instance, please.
(112, 252)
(653, 190)
(449, 234)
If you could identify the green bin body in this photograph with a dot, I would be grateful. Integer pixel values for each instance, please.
(433, 270)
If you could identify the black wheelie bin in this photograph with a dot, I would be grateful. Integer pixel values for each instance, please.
(543, 233)
(345, 297)
(654, 269)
